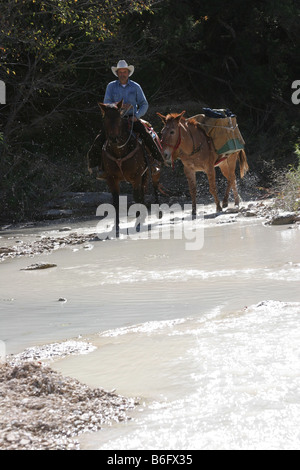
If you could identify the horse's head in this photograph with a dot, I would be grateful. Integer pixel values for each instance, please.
(170, 134)
(112, 117)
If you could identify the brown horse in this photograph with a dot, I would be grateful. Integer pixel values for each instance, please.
(184, 139)
(124, 156)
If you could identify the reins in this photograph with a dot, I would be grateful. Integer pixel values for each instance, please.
(121, 160)
(130, 133)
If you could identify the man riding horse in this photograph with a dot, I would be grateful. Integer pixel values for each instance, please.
(135, 106)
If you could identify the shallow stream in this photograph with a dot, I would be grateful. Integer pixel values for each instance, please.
(207, 338)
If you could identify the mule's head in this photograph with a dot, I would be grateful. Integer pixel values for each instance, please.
(170, 134)
(112, 117)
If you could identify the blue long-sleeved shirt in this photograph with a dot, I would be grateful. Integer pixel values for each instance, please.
(131, 93)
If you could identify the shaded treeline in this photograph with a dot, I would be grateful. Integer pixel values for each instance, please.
(55, 63)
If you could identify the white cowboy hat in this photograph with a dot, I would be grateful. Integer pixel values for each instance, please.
(122, 64)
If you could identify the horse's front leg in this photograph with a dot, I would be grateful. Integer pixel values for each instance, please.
(115, 191)
(155, 183)
(139, 198)
(191, 177)
(116, 203)
(138, 191)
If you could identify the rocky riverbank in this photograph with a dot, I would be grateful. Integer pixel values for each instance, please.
(42, 410)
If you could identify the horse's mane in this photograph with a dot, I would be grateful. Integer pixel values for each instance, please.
(176, 115)
(172, 116)
(111, 105)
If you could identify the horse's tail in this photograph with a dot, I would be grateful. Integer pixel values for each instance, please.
(244, 167)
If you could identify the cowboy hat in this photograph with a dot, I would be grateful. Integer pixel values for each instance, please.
(122, 64)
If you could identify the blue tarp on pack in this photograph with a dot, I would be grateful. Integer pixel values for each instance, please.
(218, 113)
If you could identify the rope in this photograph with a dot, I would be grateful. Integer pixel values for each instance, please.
(221, 127)
(132, 123)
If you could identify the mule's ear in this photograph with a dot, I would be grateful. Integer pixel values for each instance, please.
(102, 107)
(163, 118)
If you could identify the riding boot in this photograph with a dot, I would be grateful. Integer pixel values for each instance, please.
(148, 141)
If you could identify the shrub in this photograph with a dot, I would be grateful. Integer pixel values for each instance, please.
(289, 186)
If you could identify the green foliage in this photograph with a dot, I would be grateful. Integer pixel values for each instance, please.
(289, 186)
(53, 57)
(56, 57)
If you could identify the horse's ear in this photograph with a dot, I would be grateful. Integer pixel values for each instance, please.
(120, 104)
(181, 115)
(163, 118)
(102, 107)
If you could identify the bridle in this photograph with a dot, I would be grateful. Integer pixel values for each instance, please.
(178, 142)
(131, 130)
(176, 146)
(123, 115)
(120, 161)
